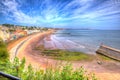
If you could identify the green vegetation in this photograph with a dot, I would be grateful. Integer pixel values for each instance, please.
(67, 55)
(64, 54)
(17, 68)
(3, 50)
(3, 78)
(8, 25)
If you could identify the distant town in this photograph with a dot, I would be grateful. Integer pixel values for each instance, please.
(10, 32)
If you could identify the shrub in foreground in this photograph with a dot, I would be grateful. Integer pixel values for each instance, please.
(17, 68)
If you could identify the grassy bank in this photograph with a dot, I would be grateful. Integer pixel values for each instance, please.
(67, 55)
(4, 55)
(64, 54)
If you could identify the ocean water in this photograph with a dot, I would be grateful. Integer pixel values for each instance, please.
(90, 40)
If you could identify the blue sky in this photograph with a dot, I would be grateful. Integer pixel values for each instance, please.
(93, 14)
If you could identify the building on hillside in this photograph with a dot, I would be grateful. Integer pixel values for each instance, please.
(32, 31)
(20, 33)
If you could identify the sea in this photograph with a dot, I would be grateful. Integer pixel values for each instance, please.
(89, 40)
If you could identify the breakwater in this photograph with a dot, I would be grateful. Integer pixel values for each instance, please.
(109, 52)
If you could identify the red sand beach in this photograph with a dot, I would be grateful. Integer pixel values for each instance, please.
(33, 57)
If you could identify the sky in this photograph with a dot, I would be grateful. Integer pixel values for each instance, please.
(91, 14)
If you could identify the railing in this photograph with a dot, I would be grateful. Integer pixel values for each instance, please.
(9, 76)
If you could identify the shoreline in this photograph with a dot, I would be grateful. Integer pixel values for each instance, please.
(35, 58)
(28, 51)
(65, 44)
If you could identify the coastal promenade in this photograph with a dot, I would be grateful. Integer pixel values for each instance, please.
(25, 48)
(14, 50)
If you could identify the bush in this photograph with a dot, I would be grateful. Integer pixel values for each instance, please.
(17, 68)
(3, 50)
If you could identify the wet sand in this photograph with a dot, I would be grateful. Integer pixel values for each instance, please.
(34, 57)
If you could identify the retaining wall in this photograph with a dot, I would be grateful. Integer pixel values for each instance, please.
(109, 52)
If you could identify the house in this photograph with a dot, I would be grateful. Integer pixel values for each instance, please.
(19, 33)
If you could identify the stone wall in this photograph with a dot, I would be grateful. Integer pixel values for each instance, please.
(110, 52)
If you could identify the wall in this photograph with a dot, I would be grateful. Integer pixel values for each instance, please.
(110, 52)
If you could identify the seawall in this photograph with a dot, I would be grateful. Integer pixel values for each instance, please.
(109, 52)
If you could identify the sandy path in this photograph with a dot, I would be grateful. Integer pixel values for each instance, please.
(104, 71)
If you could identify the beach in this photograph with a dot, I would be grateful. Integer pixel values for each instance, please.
(34, 57)
(63, 44)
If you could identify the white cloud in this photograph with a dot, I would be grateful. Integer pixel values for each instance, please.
(59, 12)
(11, 7)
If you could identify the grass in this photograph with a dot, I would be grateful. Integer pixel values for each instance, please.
(67, 55)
